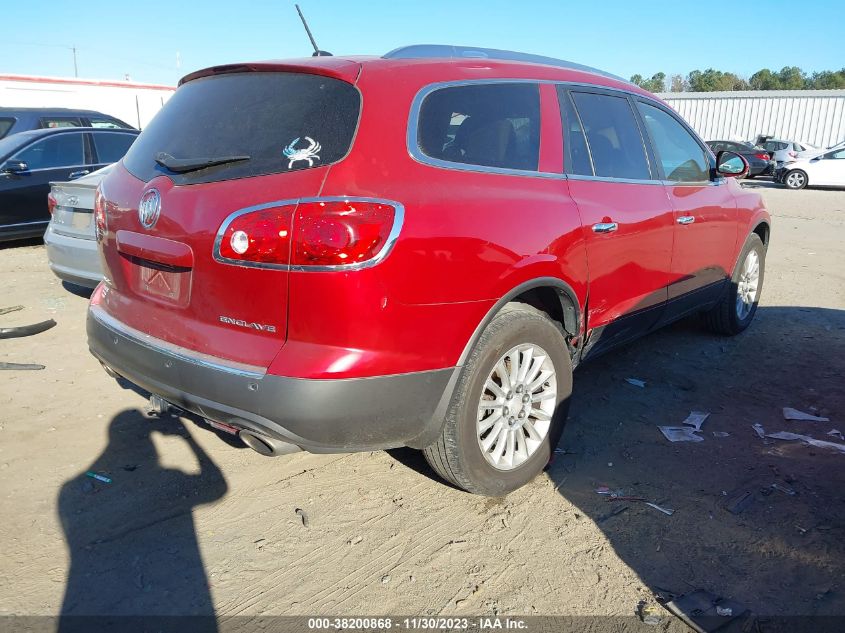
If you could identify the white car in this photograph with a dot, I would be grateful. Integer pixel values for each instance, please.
(827, 170)
(783, 151)
(812, 153)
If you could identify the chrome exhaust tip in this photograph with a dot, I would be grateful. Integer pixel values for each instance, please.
(267, 446)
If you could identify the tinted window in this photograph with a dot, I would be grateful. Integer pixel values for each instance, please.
(282, 121)
(577, 159)
(106, 123)
(111, 147)
(616, 146)
(54, 122)
(5, 126)
(682, 158)
(840, 155)
(494, 125)
(60, 150)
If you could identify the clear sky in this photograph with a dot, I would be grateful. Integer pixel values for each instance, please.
(158, 41)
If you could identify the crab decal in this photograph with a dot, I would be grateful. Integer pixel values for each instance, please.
(309, 153)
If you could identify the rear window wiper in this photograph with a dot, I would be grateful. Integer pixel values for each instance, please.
(184, 165)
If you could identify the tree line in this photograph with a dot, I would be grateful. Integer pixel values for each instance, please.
(710, 80)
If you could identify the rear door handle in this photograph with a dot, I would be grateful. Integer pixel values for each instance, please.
(686, 219)
(78, 174)
(605, 227)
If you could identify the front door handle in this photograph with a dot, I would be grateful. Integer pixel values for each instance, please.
(605, 227)
(686, 219)
(78, 174)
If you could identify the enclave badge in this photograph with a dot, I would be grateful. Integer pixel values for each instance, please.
(149, 208)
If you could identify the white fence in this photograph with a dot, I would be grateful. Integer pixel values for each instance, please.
(816, 117)
(131, 102)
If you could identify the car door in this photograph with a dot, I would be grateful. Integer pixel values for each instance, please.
(625, 215)
(705, 212)
(109, 147)
(23, 196)
(828, 169)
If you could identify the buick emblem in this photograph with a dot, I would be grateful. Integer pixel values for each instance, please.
(149, 208)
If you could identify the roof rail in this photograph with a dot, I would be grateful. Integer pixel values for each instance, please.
(428, 51)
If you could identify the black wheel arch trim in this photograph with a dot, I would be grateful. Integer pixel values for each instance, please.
(569, 305)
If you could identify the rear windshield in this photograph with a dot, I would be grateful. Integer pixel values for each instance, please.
(281, 121)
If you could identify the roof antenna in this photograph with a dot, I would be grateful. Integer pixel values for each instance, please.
(317, 52)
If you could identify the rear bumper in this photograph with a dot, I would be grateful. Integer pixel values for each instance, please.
(73, 259)
(321, 416)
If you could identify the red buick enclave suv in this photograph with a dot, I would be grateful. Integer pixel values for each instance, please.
(353, 253)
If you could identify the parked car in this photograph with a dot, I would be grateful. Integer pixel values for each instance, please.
(14, 120)
(398, 251)
(759, 161)
(784, 151)
(30, 161)
(71, 245)
(827, 170)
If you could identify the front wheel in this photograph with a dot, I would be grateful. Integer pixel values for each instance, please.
(795, 179)
(738, 305)
(508, 409)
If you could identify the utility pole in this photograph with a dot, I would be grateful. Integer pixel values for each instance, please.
(75, 69)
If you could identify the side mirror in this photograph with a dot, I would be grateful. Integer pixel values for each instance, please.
(731, 164)
(14, 167)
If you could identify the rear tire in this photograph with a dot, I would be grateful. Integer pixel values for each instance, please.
(518, 336)
(795, 179)
(738, 305)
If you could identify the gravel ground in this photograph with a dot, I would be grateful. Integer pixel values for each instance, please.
(191, 523)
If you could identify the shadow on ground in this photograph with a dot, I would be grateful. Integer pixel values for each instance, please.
(132, 542)
(782, 555)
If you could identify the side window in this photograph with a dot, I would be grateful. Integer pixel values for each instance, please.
(54, 122)
(111, 147)
(616, 146)
(60, 150)
(492, 125)
(840, 155)
(107, 123)
(577, 159)
(681, 156)
(5, 126)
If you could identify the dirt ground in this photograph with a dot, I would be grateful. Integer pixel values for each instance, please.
(191, 523)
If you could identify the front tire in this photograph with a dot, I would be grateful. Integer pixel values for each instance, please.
(509, 406)
(738, 305)
(795, 179)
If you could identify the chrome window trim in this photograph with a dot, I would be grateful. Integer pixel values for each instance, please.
(631, 181)
(384, 251)
(416, 153)
(170, 349)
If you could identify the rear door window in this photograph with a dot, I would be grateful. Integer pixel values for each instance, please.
(108, 123)
(5, 126)
(54, 122)
(281, 121)
(111, 146)
(59, 150)
(489, 125)
(577, 159)
(616, 145)
(679, 154)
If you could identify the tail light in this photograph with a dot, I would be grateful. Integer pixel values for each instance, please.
(793, 155)
(100, 222)
(51, 202)
(762, 156)
(315, 234)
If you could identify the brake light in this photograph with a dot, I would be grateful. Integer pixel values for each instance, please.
(100, 221)
(793, 155)
(261, 237)
(313, 233)
(51, 202)
(762, 156)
